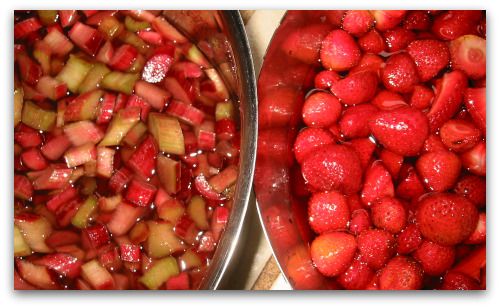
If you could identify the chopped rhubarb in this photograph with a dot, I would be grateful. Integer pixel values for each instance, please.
(135, 135)
(52, 178)
(204, 188)
(58, 43)
(96, 236)
(61, 263)
(151, 37)
(167, 132)
(55, 147)
(178, 92)
(142, 161)
(94, 77)
(33, 159)
(18, 105)
(36, 275)
(170, 210)
(139, 233)
(135, 25)
(106, 108)
(124, 218)
(109, 204)
(197, 211)
(157, 67)
(219, 219)
(224, 110)
(123, 58)
(80, 155)
(130, 252)
(35, 229)
(120, 179)
(74, 72)
(63, 197)
(68, 17)
(21, 248)
(51, 88)
(140, 193)
(136, 101)
(169, 172)
(42, 53)
(26, 27)
(185, 112)
(86, 37)
(220, 91)
(179, 282)
(85, 211)
(105, 53)
(83, 132)
(105, 158)
(189, 260)
(22, 187)
(154, 95)
(120, 82)
(62, 238)
(97, 276)
(161, 25)
(120, 125)
(194, 55)
(224, 179)
(111, 27)
(37, 117)
(206, 135)
(162, 240)
(159, 273)
(83, 107)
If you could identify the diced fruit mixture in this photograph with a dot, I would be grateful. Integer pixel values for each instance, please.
(126, 152)
(389, 159)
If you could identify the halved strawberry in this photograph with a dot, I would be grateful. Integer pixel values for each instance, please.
(479, 234)
(472, 264)
(439, 170)
(339, 51)
(468, 53)
(474, 160)
(459, 135)
(475, 101)
(400, 73)
(430, 57)
(377, 184)
(401, 273)
(356, 88)
(333, 252)
(453, 24)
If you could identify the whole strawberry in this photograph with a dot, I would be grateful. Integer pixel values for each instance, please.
(439, 170)
(430, 57)
(328, 211)
(434, 258)
(400, 73)
(376, 247)
(333, 252)
(401, 273)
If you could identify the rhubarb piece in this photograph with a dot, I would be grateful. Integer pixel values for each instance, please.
(111, 27)
(26, 27)
(123, 58)
(179, 282)
(47, 17)
(140, 193)
(142, 160)
(86, 37)
(185, 112)
(106, 108)
(120, 179)
(162, 240)
(154, 95)
(83, 107)
(133, 39)
(124, 218)
(120, 82)
(51, 88)
(96, 236)
(167, 132)
(33, 159)
(97, 276)
(68, 17)
(224, 110)
(194, 55)
(205, 135)
(170, 210)
(80, 155)
(135, 134)
(159, 273)
(83, 132)
(74, 72)
(109, 204)
(18, 105)
(105, 158)
(135, 25)
(42, 54)
(36, 275)
(55, 148)
(189, 260)
(220, 91)
(58, 43)
(157, 67)
(224, 179)
(21, 248)
(151, 37)
(161, 25)
(178, 92)
(169, 173)
(34, 229)
(38, 118)
(85, 211)
(22, 187)
(120, 125)
(52, 178)
(196, 210)
(61, 263)
(94, 78)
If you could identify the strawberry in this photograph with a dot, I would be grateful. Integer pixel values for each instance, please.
(434, 258)
(430, 57)
(332, 253)
(434, 144)
(473, 188)
(321, 110)
(328, 211)
(357, 276)
(372, 42)
(309, 140)
(354, 121)
(453, 24)
(360, 221)
(458, 281)
(446, 218)
(459, 135)
(389, 214)
(388, 19)
(400, 73)
(402, 131)
(377, 185)
(421, 97)
(324, 79)
(479, 234)
(368, 62)
(409, 184)
(356, 88)
(398, 38)
(417, 20)
(401, 273)
(304, 43)
(392, 162)
(468, 53)
(449, 93)
(301, 271)
(409, 239)
(439, 170)
(357, 22)
(474, 160)
(387, 100)
(339, 51)
(472, 263)
(475, 101)
(376, 247)
(333, 167)
(364, 147)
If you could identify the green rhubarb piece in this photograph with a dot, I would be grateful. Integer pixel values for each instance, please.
(159, 273)
(41, 53)
(47, 17)
(167, 132)
(224, 110)
(34, 231)
(38, 118)
(120, 82)
(18, 105)
(197, 212)
(135, 25)
(168, 172)
(138, 64)
(74, 72)
(87, 104)
(21, 248)
(134, 40)
(195, 55)
(189, 260)
(220, 87)
(111, 27)
(85, 211)
(162, 240)
(94, 78)
(135, 134)
(120, 125)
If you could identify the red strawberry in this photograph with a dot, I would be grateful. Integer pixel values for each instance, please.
(458, 281)
(377, 185)
(409, 185)
(422, 97)
(401, 273)
(479, 234)
(434, 144)
(389, 214)
(321, 110)
(453, 24)
(446, 218)
(439, 170)
(339, 51)
(430, 56)
(301, 271)
(325, 79)
(472, 263)
(356, 88)
(449, 93)
(304, 43)
(475, 101)
(474, 160)
(417, 20)
(392, 162)
(333, 167)
(328, 211)
(364, 147)
(388, 19)
(357, 22)
(360, 221)
(376, 247)
(473, 188)
(333, 252)
(354, 121)
(402, 131)
(372, 42)
(387, 100)
(398, 38)
(409, 239)
(309, 140)
(468, 53)
(459, 135)
(368, 62)
(357, 276)
(434, 258)
(400, 73)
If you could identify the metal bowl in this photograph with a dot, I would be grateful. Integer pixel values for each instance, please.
(222, 33)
